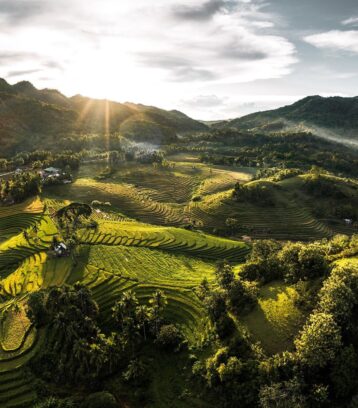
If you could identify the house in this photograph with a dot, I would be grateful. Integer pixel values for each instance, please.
(60, 249)
(52, 171)
(348, 221)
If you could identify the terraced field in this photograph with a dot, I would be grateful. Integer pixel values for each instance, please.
(156, 196)
(109, 270)
(285, 220)
(169, 239)
(15, 218)
(120, 254)
(23, 268)
(189, 192)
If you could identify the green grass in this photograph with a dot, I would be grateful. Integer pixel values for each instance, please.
(110, 270)
(169, 239)
(275, 320)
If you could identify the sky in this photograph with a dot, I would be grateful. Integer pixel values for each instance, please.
(212, 59)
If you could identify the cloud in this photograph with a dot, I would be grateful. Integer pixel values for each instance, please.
(335, 40)
(204, 101)
(15, 11)
(231, 44)
(9, 57)
(177, 68)
(151, 52)
(12, 74)
(353, 21)
(201, 12)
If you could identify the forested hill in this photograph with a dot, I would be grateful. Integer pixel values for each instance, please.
(333, 113)
(32, 118)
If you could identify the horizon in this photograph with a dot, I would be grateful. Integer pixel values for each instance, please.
(211, 59)
(172, 109)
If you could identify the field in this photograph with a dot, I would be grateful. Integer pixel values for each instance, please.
(187, 191)
(121, 254)
(160, 231)
(276, 320)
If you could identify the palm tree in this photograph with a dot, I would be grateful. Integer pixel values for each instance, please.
(142, 315)
(125, 307)
(158, 301)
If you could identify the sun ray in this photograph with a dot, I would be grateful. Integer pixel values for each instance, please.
(107, 117)
(84, 112)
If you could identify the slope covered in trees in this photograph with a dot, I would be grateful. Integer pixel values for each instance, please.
(337, 114)
(32, 118)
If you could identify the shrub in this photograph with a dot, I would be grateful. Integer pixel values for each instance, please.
(169, 337)
(100, 400)
(319, 340)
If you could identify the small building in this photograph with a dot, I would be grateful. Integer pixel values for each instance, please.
(60, 249)
(348, 221)
(52, 171)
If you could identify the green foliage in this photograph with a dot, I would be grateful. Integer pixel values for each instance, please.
(233, 381)
(287, 394)
(36, 308)
(136, 372)
(53, 402)
(344, 373)
(338, 295)
(224, 275)
(256, 193)
(169, 337)
(100, 400)
(19, 187)
(319, 340)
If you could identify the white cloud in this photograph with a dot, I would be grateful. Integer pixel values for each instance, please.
(353, 21)
(335, 40)
(141, 51)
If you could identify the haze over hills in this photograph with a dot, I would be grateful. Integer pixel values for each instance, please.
(334, 118)
(33, 118)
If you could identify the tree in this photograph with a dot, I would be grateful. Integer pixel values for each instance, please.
(215, 304)
(344, 373)
(136, 372)
(36, 310)
(241, 296)
(287, 394)
(224, 275)
(312, 262)
(143, 316)
(157, 302)
(319, 341)
(203, 289)
(337, 295)
(100, 400)
(169, 337)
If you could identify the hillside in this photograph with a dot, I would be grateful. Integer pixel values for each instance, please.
(32, 118)
(333, 113)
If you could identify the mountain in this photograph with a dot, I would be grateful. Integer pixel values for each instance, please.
(31, 118)
(335, 114)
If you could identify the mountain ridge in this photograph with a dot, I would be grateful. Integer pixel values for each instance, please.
(330, 112)
(32, 118)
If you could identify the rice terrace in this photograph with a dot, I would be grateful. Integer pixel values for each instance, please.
(142, 228)
(178, 204)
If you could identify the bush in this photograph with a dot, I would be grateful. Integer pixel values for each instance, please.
(169, 337)
(319, 340)
(136, 373)
(102, 399)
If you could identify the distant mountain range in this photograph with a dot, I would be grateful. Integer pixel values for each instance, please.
(32, 118)
(334, 117)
